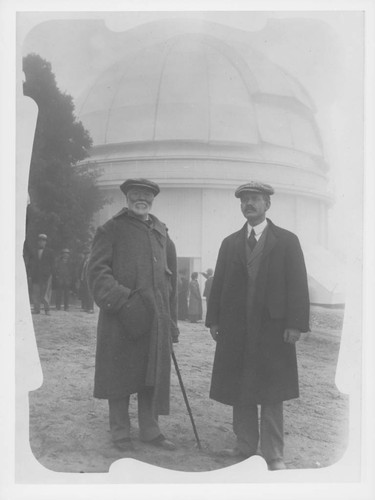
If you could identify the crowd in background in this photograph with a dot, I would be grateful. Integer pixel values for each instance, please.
(57, 279)
(189, 296)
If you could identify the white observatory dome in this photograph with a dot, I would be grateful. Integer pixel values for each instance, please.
(196, 88)
(193, 107)
(198, 96)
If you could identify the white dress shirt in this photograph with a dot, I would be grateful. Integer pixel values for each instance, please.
(257, 229)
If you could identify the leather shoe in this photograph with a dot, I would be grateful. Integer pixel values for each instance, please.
(161, 442)
(124, 444)
(277, 464)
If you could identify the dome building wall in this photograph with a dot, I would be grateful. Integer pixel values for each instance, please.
(201, 114)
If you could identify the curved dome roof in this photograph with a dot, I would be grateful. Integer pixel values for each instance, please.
(196, 87)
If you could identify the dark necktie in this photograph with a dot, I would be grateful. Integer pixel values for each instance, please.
(251, 240)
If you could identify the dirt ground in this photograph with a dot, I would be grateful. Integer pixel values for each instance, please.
(69, 429)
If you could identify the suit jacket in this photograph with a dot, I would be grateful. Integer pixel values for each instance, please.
(251, 360)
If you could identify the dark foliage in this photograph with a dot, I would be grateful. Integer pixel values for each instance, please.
(63, 194)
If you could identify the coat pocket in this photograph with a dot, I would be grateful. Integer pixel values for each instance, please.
(137, 314)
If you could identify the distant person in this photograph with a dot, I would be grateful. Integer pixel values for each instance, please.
(195, 299)
(87, 300)
(182, 296)
(209, 275)
(132, 273)
(63, 279)
(40, 267)
(258, 307)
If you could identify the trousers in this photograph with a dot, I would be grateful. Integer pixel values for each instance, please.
(62, 294)
(119, 420)
(268, 430)
(40, 295)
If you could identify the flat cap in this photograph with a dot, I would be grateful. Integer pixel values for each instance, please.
(42, 237)
(65, 250)
(144, 183)
(254, 187)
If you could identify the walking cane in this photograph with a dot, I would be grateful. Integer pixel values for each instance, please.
(186, 399)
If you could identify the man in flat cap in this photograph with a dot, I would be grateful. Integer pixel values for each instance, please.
(39, 272)
(132, 275)
(258, 307)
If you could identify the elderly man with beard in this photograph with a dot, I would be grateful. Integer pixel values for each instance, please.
(132, 275)
(258, 307)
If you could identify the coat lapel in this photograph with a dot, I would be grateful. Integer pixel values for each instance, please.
(241, 246)
(258, 249)
(241, 240)
(158, 226)
(271, 239)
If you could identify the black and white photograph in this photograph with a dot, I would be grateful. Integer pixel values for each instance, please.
(190, 248)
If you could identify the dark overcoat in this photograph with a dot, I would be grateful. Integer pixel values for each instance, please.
(129, 255)
(63, 273)
(39, 270)
(252, 362)
(195, 300)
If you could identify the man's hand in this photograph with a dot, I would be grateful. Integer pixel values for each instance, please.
(291, 335)
(214, 330)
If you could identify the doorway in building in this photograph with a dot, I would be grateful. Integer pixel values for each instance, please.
(185, 266)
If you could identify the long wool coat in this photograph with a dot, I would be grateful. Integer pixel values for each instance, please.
(195, 300)
(63, 273)
(39, 270)
(128, 255)
(252, 362)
